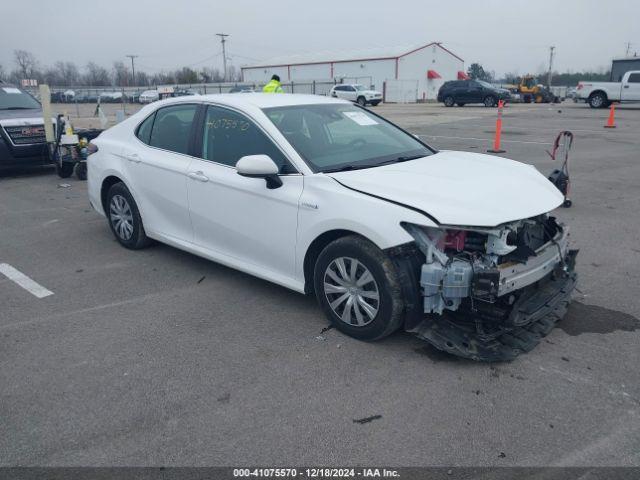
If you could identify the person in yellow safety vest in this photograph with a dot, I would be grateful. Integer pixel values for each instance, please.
(273, 86)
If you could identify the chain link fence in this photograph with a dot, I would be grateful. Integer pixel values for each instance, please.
(84, 94)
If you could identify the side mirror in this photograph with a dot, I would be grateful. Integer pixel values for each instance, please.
(259, 166)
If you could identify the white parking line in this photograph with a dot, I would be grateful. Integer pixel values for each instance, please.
(25, 282)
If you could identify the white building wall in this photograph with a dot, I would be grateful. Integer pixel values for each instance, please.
(416, 65)
(320, 71)
(263, 74)
(375, 70)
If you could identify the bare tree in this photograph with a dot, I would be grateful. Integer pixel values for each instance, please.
(209, 75)
(25, 62)
(1, 73)
(121, 74)
(96, 76)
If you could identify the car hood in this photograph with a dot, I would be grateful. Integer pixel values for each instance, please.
(19, 114)
(460, 188)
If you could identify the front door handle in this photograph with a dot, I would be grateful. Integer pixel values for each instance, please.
(626, 86)
(199, 176)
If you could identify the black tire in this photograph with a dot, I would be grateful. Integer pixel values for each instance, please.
(81, 171)
(389, 306)
(135, 238)
(567, 203)
(65, 170)
(448, 101)
(489, 101)
(374, 104)
(598, 100)
(460, 104)
(361, 101)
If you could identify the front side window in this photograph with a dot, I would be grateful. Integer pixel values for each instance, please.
(332, 137)
(172, 128)
(228, 136)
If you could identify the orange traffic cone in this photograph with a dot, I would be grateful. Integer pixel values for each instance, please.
(611, 123)
(496, 141)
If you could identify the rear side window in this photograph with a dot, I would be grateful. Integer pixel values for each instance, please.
(144, 130)
(634, 78)
(172, 128)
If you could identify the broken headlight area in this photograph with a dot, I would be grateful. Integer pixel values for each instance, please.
(480, 286)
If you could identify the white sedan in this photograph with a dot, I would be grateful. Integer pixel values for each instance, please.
(322, 196)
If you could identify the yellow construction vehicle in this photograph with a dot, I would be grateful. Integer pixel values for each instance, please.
(531, 90)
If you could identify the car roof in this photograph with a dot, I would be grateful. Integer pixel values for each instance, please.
(259, 100)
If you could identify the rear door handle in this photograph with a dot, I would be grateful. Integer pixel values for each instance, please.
(626, 86)
(199, 176)
(133, 157)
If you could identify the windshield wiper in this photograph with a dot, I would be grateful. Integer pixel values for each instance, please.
(402, 159)
(346, 168)
(17, 108)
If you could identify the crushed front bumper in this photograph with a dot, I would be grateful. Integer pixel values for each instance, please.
(535, 313)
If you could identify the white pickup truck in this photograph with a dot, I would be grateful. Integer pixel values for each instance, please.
(601, 94)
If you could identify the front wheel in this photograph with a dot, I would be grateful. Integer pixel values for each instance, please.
(358, 289)
(489, 101)
(124, 218)
(448, 101)
(361, 101)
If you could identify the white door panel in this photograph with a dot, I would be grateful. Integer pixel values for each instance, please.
(631, 90)
(240, 217)
(160, 183)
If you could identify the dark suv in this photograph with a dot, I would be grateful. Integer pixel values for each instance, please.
(22, 140)
(461, 92)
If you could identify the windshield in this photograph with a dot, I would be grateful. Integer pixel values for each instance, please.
(12, 98)
(333, 137)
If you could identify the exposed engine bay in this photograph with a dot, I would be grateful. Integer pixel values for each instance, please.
(491, 293)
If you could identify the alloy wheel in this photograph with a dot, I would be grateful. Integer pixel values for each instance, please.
(351, 291)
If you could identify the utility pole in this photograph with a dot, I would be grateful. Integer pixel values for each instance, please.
(551, 49)
(223, 37)
(133, 68)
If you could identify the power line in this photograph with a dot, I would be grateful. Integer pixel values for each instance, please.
(223, 37)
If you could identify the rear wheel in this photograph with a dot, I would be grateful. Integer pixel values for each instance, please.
(448, 101)
(362, 101)
(597, 100)
(124, 218)
(460, 104)
(358, 289)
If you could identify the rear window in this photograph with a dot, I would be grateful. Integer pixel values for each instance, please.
(144, 130)
(634, 78)
(12, 98)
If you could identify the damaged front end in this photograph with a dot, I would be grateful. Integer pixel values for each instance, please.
(489, 293)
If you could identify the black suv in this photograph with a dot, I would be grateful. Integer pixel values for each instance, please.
(461, 92)
(22, 140)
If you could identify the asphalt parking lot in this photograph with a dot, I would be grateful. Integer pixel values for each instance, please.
(157, 357)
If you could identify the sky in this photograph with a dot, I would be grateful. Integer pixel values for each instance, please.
(504, 36)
